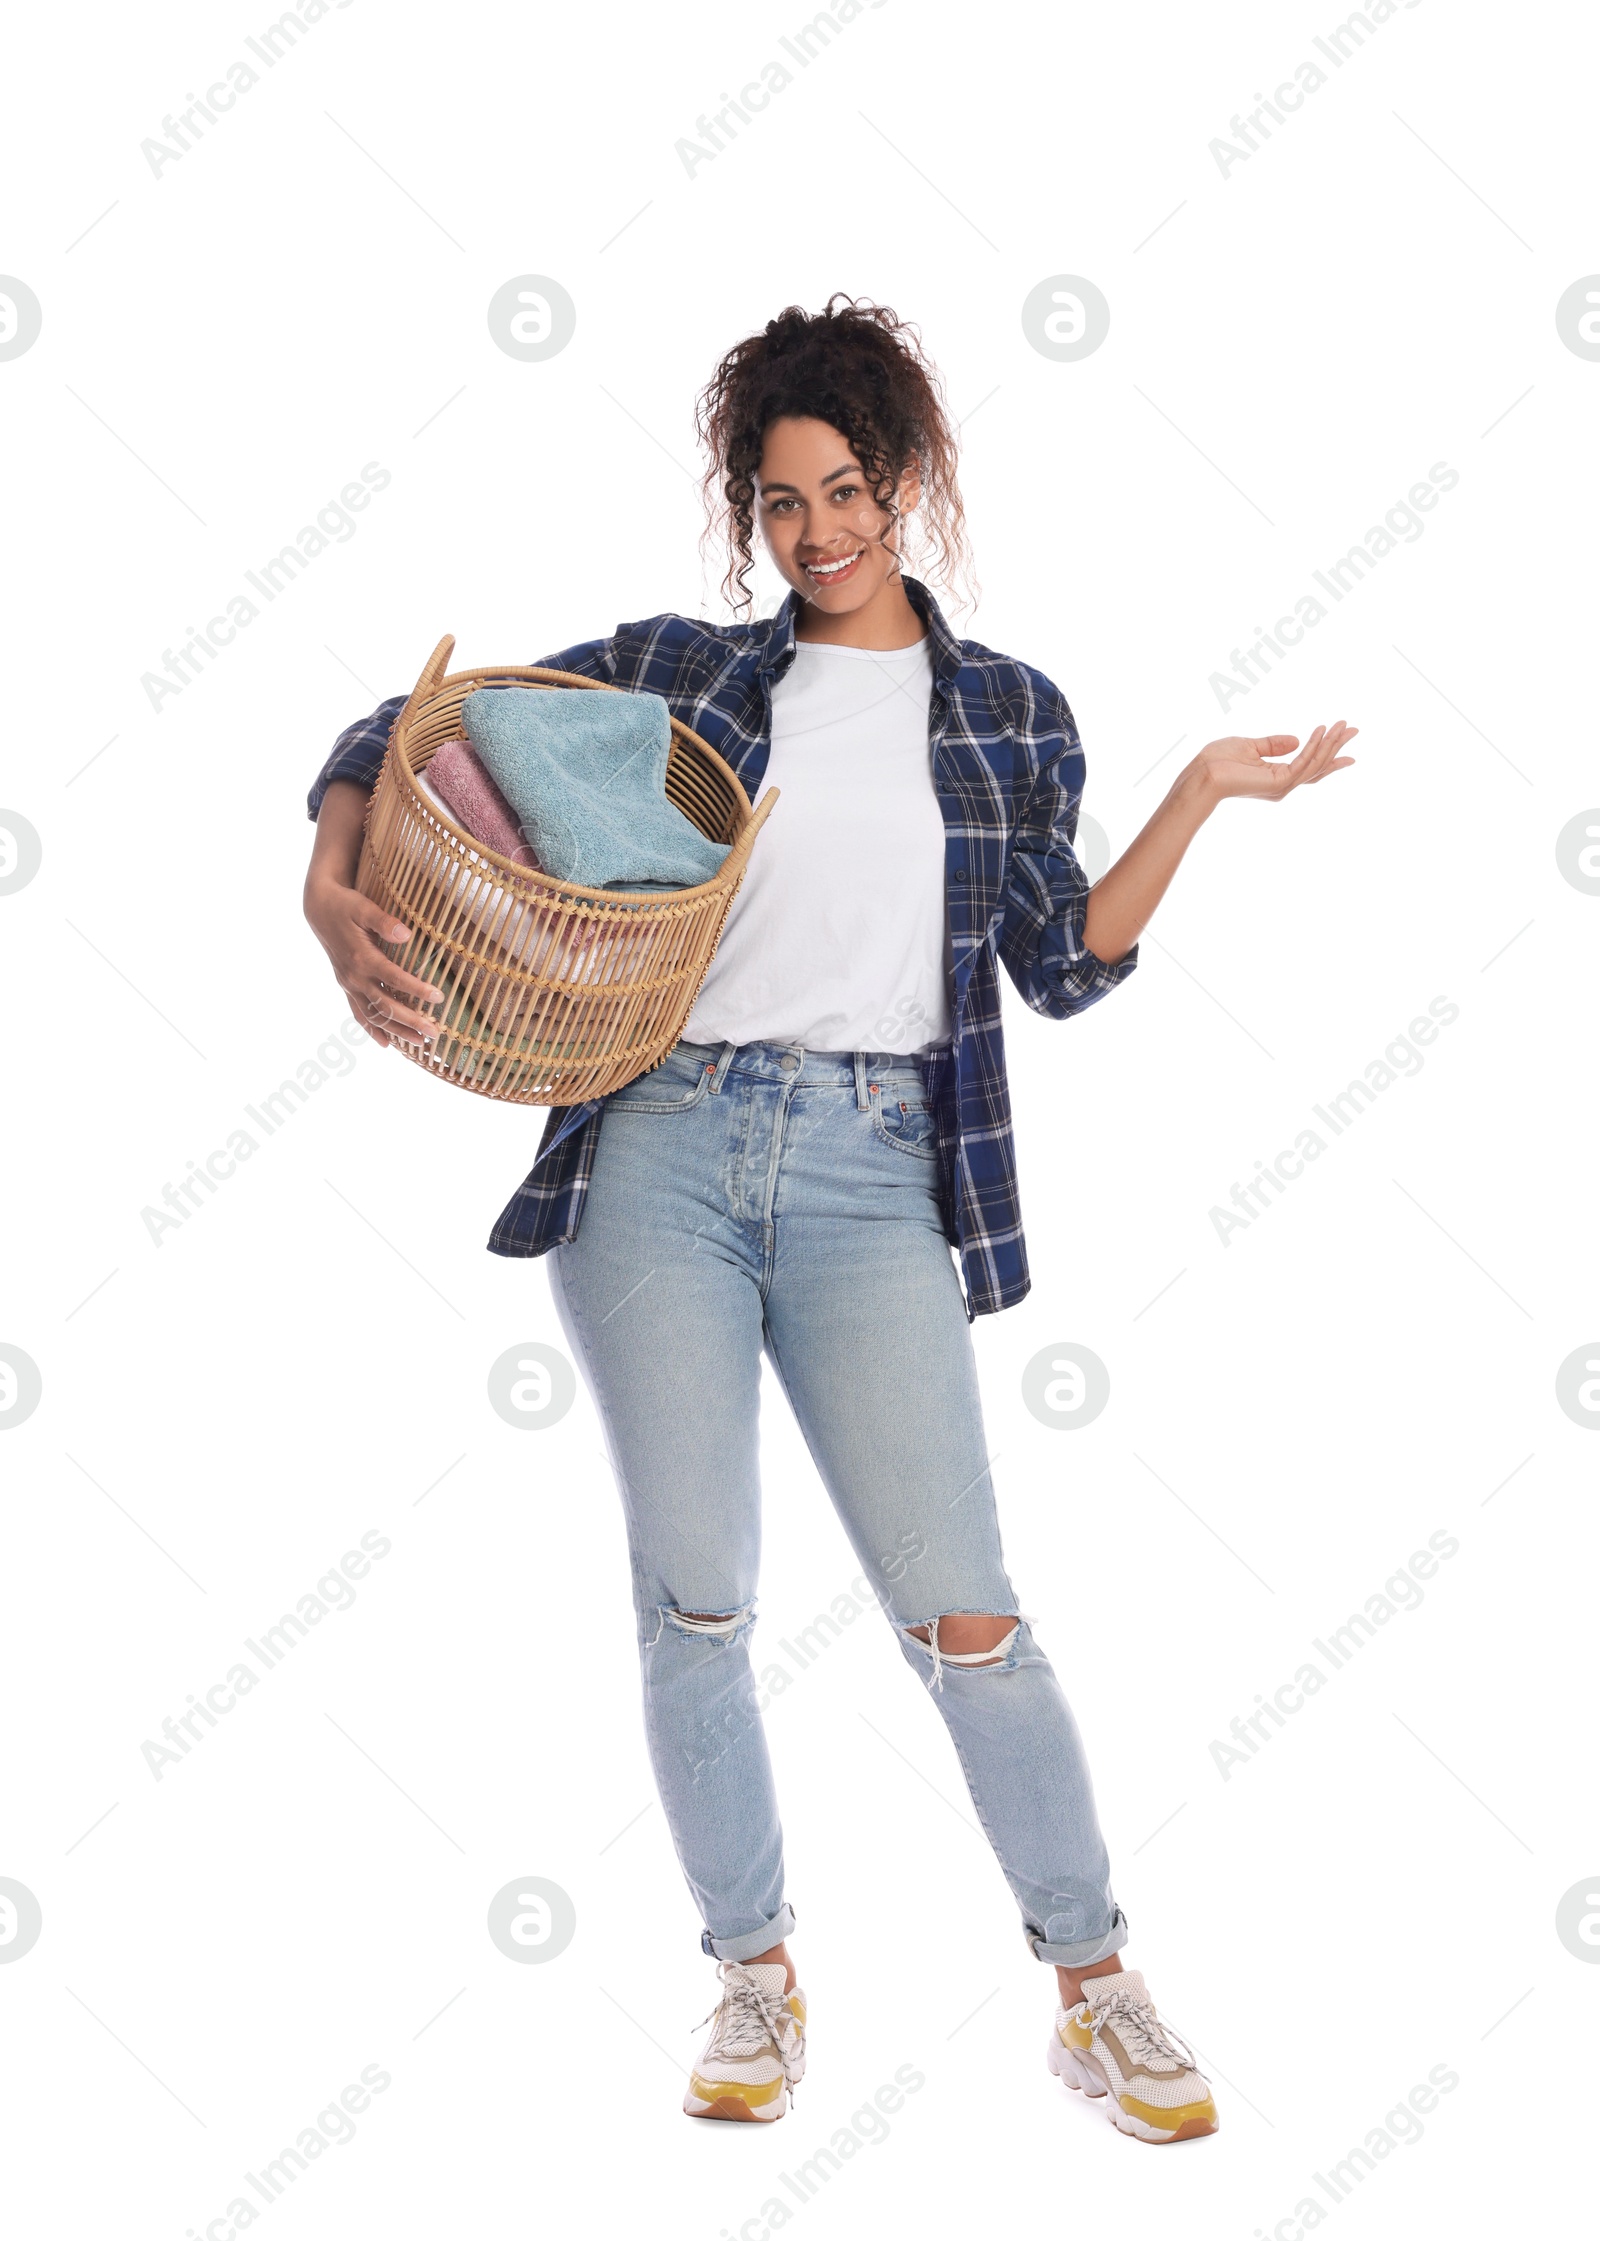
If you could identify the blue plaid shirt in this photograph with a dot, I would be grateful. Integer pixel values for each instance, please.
(1008, 770)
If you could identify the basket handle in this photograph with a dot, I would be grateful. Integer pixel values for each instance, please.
(738, 854)
(433, 670)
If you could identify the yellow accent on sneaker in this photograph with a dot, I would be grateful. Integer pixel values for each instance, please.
(1193, 2114)
(1078, 2034)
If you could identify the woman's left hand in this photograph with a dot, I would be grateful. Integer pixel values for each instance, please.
(1242, 766)
(1122, 900)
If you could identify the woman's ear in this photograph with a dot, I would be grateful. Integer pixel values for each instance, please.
(909, 495)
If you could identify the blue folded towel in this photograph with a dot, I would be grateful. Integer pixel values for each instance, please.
(586, 774)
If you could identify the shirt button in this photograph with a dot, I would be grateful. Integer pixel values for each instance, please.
(788, 1064)
(961, 877)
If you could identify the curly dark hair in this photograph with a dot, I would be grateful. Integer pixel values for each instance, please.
(863, 370)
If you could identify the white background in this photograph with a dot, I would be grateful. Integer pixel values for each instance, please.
(1372, 1894)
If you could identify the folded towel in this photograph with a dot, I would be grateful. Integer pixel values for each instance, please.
(585, 774)
(474, 800)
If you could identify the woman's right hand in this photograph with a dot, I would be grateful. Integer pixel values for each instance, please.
(350, 928)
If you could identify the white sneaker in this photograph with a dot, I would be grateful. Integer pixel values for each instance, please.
(756, 2054)
(1113, 2045)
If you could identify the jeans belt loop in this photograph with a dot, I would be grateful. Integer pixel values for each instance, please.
(862, 1102)
(720, 1073)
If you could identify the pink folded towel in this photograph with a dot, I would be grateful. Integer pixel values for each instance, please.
(473, 798)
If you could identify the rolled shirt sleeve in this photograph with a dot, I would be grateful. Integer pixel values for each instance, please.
(1047, 890)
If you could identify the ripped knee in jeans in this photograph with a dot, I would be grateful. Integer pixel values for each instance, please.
(717, 1626)
(974, 1639)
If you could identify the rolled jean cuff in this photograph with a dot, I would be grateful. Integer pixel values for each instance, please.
(753, 1941)
(1084, 1950)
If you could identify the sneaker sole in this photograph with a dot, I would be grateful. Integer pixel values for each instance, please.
(1085, 2076)
(734, 2107)
(729, 2106)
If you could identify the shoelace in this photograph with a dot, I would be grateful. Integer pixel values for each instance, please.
(1147, 2035)
(748, 2018)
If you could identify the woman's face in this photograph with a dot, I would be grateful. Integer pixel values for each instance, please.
(826, 533)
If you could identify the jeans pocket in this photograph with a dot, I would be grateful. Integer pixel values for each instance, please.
(904, 1123)
(675, 1086)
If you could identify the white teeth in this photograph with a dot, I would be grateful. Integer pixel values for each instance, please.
(830, 567)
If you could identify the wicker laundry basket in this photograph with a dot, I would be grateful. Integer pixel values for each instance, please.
(553, 993)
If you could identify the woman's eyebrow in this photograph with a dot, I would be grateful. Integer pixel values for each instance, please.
(794, 491)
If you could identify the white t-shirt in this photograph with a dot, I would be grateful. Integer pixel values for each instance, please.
(838, 938)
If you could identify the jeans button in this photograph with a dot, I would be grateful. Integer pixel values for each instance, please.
(789, 1064)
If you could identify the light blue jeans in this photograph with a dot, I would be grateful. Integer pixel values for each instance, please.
(762, 1195)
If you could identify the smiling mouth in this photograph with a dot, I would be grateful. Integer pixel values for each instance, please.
(833, 571)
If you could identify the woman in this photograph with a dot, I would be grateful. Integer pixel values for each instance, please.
(795, 1174)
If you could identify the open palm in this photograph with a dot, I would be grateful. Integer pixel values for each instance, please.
(1244, 766)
